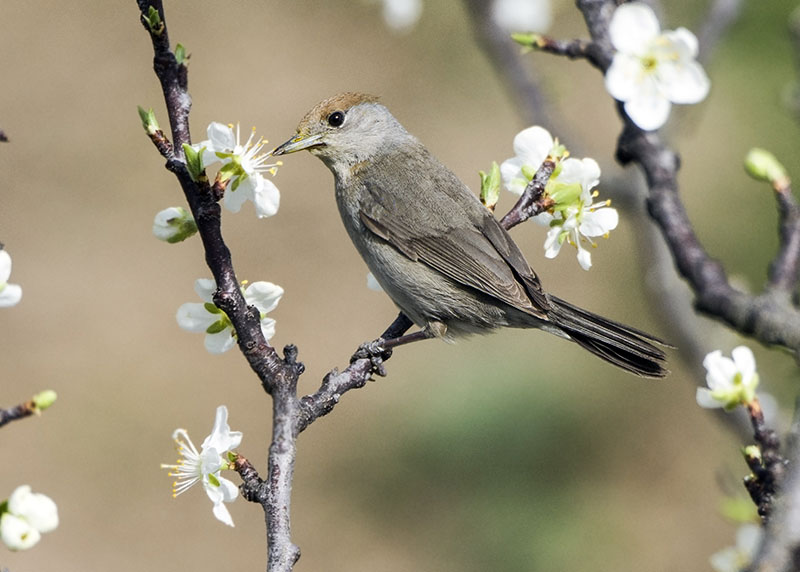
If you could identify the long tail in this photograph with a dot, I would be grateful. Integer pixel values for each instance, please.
(616, 343)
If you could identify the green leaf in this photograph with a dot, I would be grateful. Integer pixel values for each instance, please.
(153, 19)
(211, 308)
(194, 161)
(490, 186)
(564, 194)
(529, 172)
(217, 327)
(180, 55)
(148, 118)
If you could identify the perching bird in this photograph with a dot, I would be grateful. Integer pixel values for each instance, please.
(433, 247)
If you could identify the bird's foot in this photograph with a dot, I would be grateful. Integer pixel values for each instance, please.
(375, 353)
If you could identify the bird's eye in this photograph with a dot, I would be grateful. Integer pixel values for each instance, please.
(336, 119)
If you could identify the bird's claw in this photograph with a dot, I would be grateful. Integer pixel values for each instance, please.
(375, 353)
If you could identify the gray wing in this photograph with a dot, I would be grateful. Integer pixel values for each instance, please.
(445, 227)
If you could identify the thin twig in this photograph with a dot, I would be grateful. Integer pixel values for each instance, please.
(17, 412)
(783, 271)
(533, 200)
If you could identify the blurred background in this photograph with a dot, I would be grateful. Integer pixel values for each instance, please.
(512, 452)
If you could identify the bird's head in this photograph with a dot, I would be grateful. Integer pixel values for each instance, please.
(345, 130)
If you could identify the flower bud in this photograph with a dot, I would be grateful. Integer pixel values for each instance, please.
(764, 166)
(174, 224)
(44, 399)
(148, 118)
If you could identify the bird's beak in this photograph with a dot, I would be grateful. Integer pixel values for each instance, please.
(298, 143)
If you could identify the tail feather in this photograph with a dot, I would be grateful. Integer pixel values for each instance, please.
(626, 347)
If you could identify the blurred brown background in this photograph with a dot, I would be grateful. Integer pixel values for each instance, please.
(511, 452)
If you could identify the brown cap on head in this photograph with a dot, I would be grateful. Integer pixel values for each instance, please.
(341, 102)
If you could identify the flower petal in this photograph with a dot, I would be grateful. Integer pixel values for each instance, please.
(648, 109)
(220, 342)
(221, 513)
(235, 199)
(522, 15)
(552, 244)
(511, 171)
(266, 197)
(10, 295)
(268, 328)
(193, 317)
(705, 399)
(633, 27)
(532, 145)
(222, 439)
(683, 82)
(221, 137)
(745, 362)
(599, 222)
(263, 295)
(5, 266)
(623, 76)
(584, 257)
(17, 533)
(205, 288)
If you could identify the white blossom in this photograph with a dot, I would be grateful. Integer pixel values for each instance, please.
(206, 317)
(205, 466)
(522, 15)
(402, 15)
(10, 294)
(243, 168)
(27, 515)
(731, 382)
(651, 70)
(574, 218)
(577, 225)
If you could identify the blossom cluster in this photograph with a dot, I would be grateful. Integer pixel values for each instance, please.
(574, 217)
(207, 318)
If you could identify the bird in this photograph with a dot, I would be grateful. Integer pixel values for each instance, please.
(434, 248)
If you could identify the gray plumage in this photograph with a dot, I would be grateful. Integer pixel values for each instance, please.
(433, 247)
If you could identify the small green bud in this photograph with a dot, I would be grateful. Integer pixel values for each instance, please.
(44, 399)
(231, 457)
(752, 453)
(529, 41)
(214, 481)
(153, 19)
(148, 118)
(764, 166)
(194, 162)
(180, 55)
(490, 186)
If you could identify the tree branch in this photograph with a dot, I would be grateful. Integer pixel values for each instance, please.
(17, 412)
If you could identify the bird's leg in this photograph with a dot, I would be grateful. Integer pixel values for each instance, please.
(380, 350)
(431, 330)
